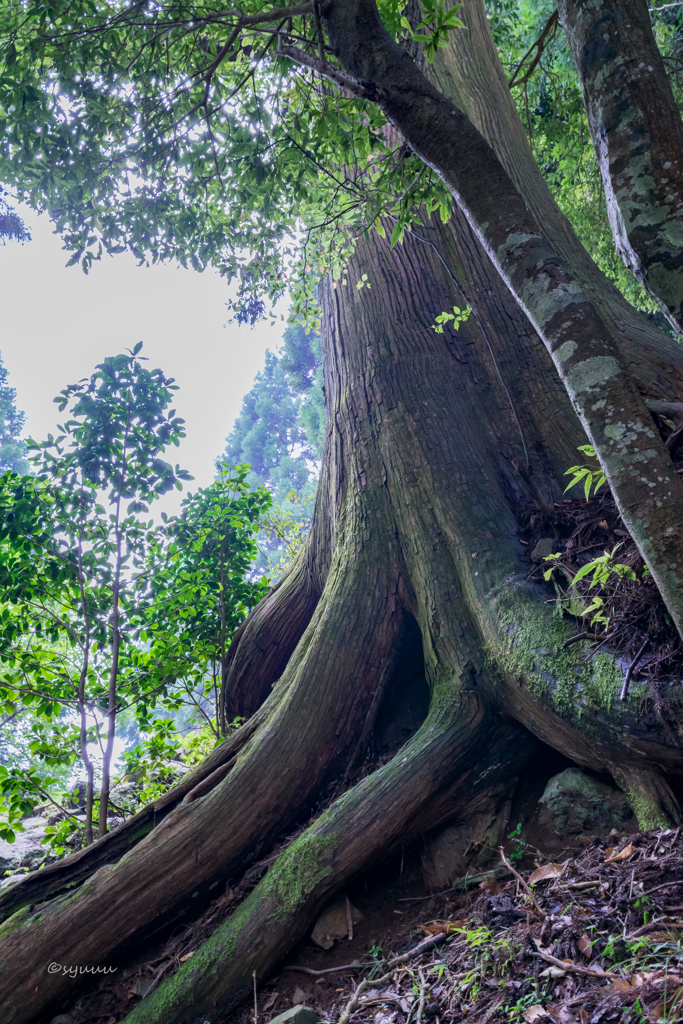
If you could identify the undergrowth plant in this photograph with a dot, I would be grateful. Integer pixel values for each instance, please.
(592, 478)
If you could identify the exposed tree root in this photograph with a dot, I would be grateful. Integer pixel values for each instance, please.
(264, 643)
(650, 796)
(441, 765)
(300, 747)
(67, 873)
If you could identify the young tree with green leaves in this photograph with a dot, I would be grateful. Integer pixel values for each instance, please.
(199, 587)
(12, 448)
(326, 125)
(67, 560)
(102, 612)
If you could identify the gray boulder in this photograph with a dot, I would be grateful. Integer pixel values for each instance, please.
(333, 923)
(33, 858)
(76, 797)
(575, 802)
(297, 1015)
(546, 546)
(27, 849)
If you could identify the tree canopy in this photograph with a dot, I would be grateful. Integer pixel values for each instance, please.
(182, 131)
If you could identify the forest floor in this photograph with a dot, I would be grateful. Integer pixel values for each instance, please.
(598, 937)
(589, 931)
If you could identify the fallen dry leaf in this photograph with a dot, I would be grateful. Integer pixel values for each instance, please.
(491, 886)
(584, 1016)
(552, 972)
(443, 927)
(547, 871)
(603, 524)
(534, 1012)
(187, 956)
(272, 997)
(585, 945)
(611, 857)
(669, 1007)
(621, 985)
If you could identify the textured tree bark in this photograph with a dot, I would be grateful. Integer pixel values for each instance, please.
(265, 642)
(637, 132)
(416, 516)
(585, 352)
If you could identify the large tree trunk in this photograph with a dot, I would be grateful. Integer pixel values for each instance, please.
(416, 522)
(637, 132)
(585, 351)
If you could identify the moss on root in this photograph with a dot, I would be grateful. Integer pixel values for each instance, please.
(535, 656)
(648, 813)
(286, 888)
(15, 921)
(298, 872)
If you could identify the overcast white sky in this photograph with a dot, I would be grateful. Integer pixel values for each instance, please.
(58, 323)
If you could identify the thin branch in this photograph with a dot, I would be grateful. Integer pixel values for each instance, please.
(546, 37)
(624, 690)
(568, 966)
(365, 90)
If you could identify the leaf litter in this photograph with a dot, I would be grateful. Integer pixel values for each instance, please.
(605, 945)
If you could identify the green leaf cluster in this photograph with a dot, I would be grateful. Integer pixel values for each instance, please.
(457, 317)
(592, 479)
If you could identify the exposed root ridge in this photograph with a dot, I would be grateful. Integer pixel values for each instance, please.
(74, 870)
(265, 641)
(440, 766)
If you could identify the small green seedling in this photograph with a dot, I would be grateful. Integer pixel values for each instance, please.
(592, 478)
(457, 317)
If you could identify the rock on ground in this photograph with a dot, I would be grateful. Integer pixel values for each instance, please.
(575, 801)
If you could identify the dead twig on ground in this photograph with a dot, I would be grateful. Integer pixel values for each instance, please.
(570, 966)
(537, 905)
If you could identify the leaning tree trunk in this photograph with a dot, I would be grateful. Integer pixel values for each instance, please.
(637, 133)
(415, 521)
